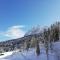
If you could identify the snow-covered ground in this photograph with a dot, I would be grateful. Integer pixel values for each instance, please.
(6, 54)
(31, 55)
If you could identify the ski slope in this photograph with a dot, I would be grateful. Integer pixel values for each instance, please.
(31, 55)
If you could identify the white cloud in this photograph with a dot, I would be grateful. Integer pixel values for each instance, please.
(14, 32)
(18, 26)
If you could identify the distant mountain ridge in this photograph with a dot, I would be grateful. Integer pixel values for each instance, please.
(15, 43)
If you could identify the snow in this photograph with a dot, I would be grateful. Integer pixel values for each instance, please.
(31, 55)
(6, 54)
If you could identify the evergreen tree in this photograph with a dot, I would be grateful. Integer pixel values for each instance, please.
(37, 48)
(27, 45)
(33, 42)
(46, 41)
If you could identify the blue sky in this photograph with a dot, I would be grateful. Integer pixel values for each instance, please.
(18, 16)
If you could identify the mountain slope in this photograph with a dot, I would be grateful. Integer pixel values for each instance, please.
(30, 55)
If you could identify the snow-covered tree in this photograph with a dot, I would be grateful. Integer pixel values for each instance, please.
(27, 45)
(35, 44)
(37, 48)
(46, 41)
(33, 41)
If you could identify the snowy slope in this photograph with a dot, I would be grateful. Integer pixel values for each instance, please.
(31, 55)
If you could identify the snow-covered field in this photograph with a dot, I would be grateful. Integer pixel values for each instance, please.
(31, 55)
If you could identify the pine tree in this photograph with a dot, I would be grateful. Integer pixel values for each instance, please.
(27, 45)
(37, 48)
(46, 41)
(33, 42)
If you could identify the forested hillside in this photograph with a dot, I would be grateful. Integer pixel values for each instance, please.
(32, 37)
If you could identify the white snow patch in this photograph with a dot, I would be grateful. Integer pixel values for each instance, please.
(31, 55)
